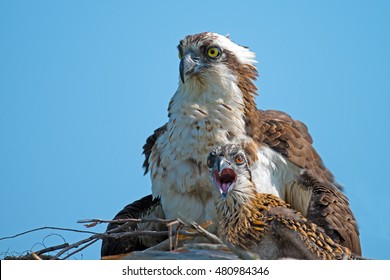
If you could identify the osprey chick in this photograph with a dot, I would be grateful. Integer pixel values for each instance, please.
(259, 222)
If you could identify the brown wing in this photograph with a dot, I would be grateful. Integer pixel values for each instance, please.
(291, 138)
(303, 239)
(328, 207)
(150, 143)
(145, 207)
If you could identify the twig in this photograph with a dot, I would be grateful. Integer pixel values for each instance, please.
(244, 255)
(212, 237)
(50, 249)
(148, 233)
(35, 256)
(93, 222)
(135, 233)
(75, 245)
(170, 235)
(179, 228)
(94, 238)
(44, 228)
(79, 250)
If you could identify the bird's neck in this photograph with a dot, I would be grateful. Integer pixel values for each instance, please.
(244, 218)
(203, 118)
(240, 216)
(230, 95)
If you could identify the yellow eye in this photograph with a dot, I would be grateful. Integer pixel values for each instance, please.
(179, 55)
(239, 159)
(213, 52)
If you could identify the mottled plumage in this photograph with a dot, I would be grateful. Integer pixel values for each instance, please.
(215, 105)
(263, 223)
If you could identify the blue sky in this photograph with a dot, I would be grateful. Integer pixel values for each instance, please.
(84, 83)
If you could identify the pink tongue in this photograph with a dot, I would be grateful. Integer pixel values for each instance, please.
(224, 187)
(225, 179)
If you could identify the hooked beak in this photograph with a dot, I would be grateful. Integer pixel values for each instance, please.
(224, 176)
(187, 65)
(221, 164)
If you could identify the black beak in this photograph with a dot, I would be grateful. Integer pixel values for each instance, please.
(187, 65)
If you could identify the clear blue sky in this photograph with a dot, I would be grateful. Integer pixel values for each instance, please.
(84, 83)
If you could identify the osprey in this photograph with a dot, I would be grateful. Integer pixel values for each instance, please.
(215, 105)
(263, 223)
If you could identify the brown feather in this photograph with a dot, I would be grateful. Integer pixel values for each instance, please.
(329, 208)
(292, 139)
(267, 226)
(143, 208)
(149, 145)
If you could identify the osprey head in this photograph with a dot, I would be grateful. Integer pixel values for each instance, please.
(229, 170)
(208, 56)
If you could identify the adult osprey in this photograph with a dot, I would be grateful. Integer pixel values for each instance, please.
(215, 105)
(259, 222)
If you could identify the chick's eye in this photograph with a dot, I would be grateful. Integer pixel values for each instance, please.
(210, 162)
(213, 52)
(239, 159)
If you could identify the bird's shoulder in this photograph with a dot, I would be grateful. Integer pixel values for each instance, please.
(150, 142)
(291, 138)
(274, 208)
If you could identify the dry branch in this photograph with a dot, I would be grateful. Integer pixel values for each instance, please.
(176, 228)
(120, 221)
(44, 228)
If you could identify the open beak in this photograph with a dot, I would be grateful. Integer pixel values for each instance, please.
(224, 176)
